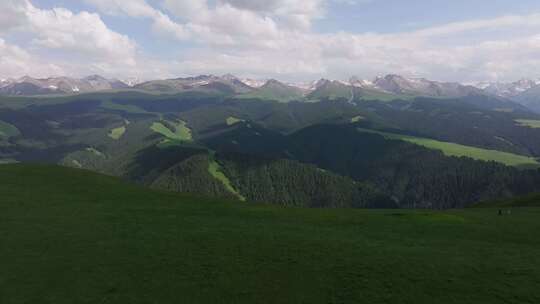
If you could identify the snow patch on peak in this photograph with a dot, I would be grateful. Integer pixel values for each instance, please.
(254, 83)
(131, 81)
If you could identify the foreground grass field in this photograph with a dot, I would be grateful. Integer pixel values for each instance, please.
(453, 149)
(70, 236)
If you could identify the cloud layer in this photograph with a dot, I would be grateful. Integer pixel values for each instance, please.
(272, 38)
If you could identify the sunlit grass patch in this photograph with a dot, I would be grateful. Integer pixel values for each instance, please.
(453, 149)
(173, 130)
(233, 120)
(117, 133)
(531, 123)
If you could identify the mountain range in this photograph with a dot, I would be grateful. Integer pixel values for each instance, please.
(390, 142)
(58, 85)
(524, 91)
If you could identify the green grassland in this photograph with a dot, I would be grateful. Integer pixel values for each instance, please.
(281, 95)
(233, 120)
(332, 91)
(453, 149)
(175, 131)
(357, 119)
(71, 236)
(215, 170)
(8, 130)
(531, 123)
(531, 200)
(117, 133)
(368, 94)
(107, 104)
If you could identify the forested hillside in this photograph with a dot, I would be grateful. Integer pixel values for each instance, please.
(332, 152)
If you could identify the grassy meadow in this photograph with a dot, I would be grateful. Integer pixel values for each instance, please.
(453, 149)
(531, 123)
(176, 131)
(71, 236)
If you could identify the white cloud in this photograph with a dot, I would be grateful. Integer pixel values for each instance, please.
(11, 15)
(16, 62)
(82, 33)
(162, 24)
(76, 41)
(274, 38)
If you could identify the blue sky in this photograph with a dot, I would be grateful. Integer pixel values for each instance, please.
(294, 40)
(404, 15)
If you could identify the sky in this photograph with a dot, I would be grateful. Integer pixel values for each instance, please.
(292, 40)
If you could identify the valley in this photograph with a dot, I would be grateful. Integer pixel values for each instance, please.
(269, 151)
(213, 138)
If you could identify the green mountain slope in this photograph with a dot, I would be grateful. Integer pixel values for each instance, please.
(71, 236)
(275, 90)
(111, 133)
(453, 149)
(331, 90)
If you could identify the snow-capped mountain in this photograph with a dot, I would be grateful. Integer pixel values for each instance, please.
(361, 83)
(254, 83)
(227, 83)
(58, 85)
(508, 89)
(388, 85)
(400, 85)
(131, 81)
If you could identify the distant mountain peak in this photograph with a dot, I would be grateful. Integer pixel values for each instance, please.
(254, 83)
(229, 77)
(393, 84)
(273, 82)
(94, 77)
(27, 85)
(361, 83)
(508, 89)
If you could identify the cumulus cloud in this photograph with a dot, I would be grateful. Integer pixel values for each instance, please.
(78, 39)
(162, 23)
(16, 62)
(83, 33)
(11, 15)
(275, 38)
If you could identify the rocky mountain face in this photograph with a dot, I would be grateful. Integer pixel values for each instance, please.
(524, 91)
(227, 83)
(58, 85)
(509, 89)
(423, 87)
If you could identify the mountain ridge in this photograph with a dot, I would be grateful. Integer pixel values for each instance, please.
(391, 86)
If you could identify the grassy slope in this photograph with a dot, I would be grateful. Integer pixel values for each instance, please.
(233, 120)
(453, 149)
(181, 133)
(8, 130)
(215, 170)
(70, 236)
(117, 133)
(281, 95)
(107, 104)
(531, 123)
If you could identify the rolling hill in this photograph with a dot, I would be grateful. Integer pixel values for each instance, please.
(72, 236)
